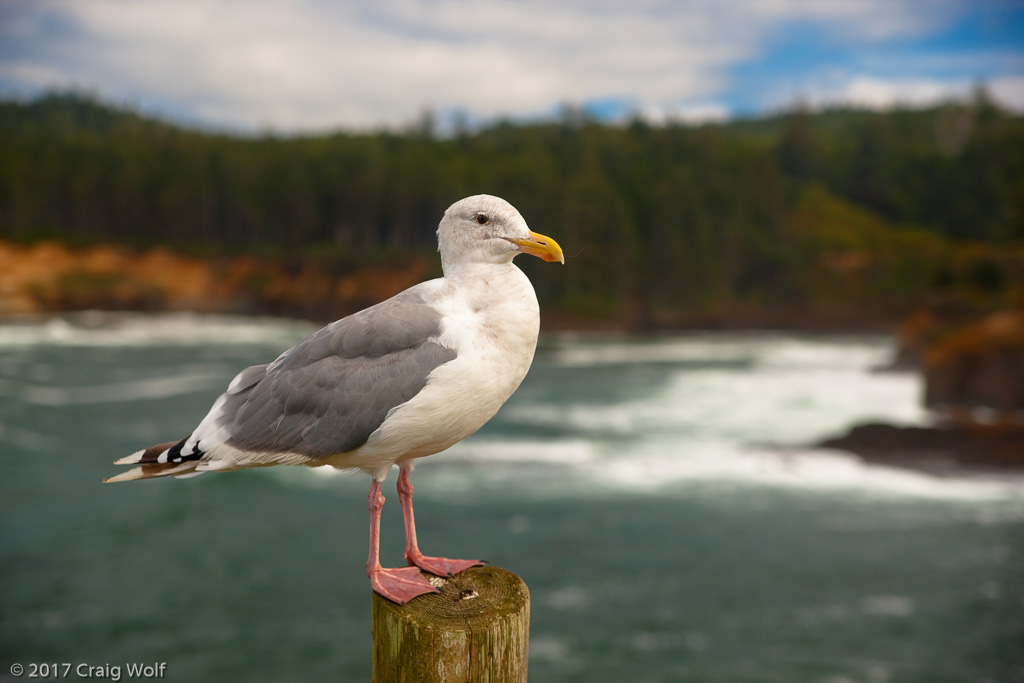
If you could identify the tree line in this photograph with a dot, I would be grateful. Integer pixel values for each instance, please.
(840, 210)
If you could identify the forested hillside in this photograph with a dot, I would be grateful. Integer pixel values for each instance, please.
(834, 215)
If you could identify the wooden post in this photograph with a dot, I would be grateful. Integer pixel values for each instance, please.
(476, 629)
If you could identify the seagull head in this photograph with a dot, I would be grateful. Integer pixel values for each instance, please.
(487, 229)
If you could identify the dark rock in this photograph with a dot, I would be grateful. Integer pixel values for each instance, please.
(949, 449)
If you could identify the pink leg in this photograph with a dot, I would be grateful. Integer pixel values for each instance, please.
(398, 585)
(441, 566)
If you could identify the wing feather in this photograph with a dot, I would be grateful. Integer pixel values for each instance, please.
(330, 392)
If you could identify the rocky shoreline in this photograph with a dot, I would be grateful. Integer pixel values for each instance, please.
(51, 277)
(973, 374)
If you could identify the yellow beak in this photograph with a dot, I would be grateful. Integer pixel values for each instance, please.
(542, 247)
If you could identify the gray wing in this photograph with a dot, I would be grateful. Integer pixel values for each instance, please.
(331, 391)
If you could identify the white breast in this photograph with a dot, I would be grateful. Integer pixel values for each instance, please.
(492, 320)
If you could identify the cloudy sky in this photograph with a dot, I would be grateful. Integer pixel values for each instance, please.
(310, 65)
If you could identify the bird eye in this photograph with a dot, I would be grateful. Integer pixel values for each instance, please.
(482, 219)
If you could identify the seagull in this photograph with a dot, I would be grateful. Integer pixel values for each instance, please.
(403, 379)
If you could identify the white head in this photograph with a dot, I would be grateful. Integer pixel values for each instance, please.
(487, 229)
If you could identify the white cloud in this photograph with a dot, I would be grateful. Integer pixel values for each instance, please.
(860, 19)
(685, 112)
(874, 93)
(1008, 91)
(313, 64)
(879, 93)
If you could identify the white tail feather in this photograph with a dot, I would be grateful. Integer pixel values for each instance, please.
(135, 473)
(132, 459)
(150, 471)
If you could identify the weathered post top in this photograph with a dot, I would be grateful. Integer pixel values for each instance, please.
(476, 629)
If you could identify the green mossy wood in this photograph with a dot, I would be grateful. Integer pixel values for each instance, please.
(476, 629)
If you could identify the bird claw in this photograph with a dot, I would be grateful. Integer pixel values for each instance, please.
(442, 566)
(400, 585)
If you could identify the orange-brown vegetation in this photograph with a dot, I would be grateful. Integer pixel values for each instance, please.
(49, 276)
(979, 366)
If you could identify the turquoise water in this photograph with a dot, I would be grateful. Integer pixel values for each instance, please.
(656, 495)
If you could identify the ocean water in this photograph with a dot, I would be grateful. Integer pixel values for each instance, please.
(658, 496)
